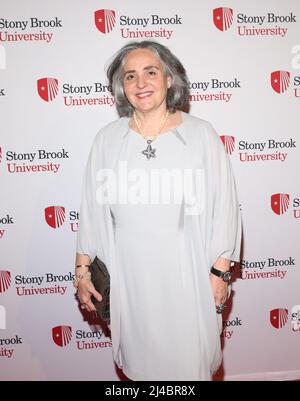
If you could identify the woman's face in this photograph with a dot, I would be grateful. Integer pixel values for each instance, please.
(145, 83)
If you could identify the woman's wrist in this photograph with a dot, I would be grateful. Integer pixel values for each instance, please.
(81, 276)
(82, 264)
(82, 259)
(81, 270)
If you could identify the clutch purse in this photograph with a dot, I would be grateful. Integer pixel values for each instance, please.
(101, 281)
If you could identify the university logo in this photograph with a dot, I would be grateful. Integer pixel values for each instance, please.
(55, 216)
(105, 20)
(280, 81)
(62, 335)
(229, 142)
(279, 317)
(5, 280)
(280, 203)
(223, 18)
(47, 88)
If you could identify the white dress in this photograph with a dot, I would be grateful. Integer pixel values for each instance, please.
(164, 325)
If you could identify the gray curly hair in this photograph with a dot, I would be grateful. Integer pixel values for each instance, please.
(178, 93)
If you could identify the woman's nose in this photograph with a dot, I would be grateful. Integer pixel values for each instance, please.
(141, 82)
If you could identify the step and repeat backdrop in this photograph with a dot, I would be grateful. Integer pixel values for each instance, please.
(243, 64)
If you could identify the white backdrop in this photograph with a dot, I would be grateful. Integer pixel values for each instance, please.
(243, 63)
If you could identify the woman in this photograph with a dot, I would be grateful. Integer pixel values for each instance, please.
(168, 242)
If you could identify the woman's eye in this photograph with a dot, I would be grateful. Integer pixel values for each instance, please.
(129, 77)
(152, 72)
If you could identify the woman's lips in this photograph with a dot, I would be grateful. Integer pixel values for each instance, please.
(143, 95)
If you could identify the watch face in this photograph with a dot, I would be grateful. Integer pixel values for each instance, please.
(227, 276)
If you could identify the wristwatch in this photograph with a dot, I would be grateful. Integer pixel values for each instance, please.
(225, 276)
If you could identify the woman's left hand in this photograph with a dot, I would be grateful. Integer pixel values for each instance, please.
(220, 289)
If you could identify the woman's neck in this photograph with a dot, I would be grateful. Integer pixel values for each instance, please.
(151, 121)
(152, 125)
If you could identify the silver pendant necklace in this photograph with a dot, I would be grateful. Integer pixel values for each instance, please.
(150, 152)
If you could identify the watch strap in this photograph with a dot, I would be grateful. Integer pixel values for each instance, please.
(225, 276)
(216, 272)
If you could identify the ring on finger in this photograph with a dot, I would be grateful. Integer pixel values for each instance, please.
(220, 308)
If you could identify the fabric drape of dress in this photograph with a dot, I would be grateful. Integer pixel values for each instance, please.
(163, 320)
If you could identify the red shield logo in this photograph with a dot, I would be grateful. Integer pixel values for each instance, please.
(280, 203)
(223, 18)
(55, 216)
(105, 20)
(229, 142)
(47, 88)
(62, 335)
(279, 317)
(280, 81)
(5, 280)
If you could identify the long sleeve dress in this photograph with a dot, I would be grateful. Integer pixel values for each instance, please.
(159, 244)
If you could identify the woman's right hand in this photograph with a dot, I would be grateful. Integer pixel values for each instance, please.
(84, 292)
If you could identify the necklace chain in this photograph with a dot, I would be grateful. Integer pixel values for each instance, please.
(160, 129)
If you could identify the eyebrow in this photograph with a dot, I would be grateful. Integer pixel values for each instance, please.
(149, 67)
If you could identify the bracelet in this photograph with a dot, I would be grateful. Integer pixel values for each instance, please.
(79, 277)
(77, 266)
